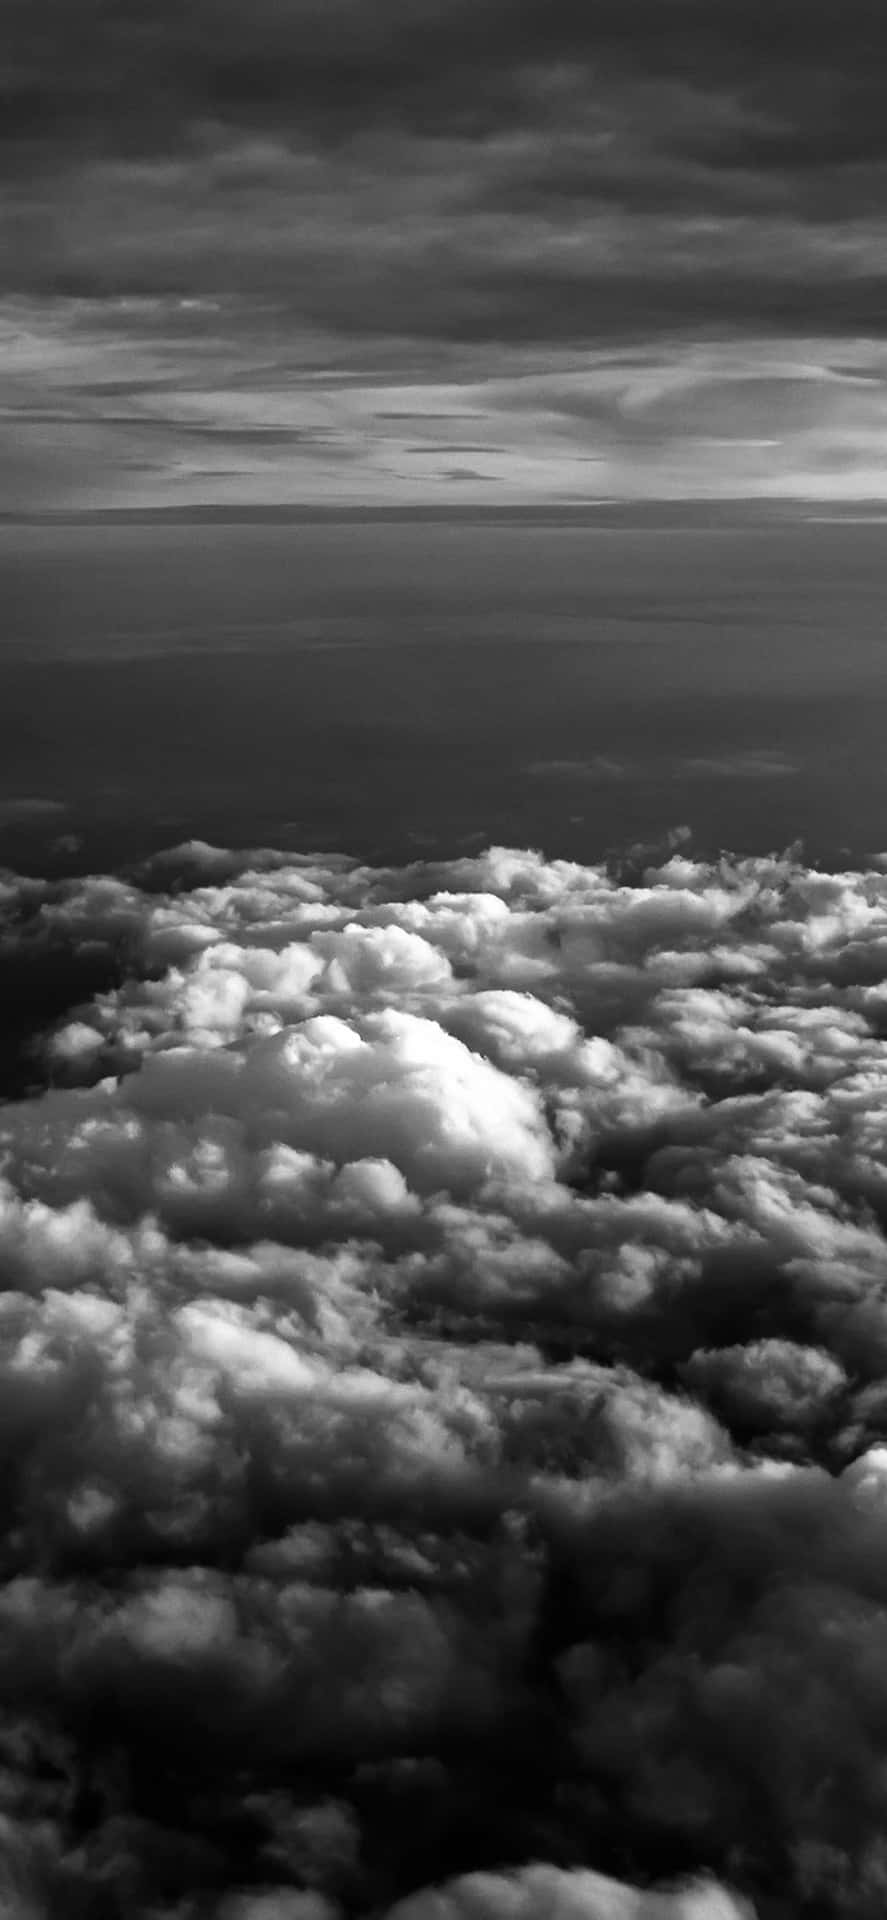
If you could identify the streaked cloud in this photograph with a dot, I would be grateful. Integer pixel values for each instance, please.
(252, 202)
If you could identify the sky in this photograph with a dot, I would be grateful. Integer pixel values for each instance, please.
(450, 252)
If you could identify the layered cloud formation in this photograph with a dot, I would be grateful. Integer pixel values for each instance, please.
(442, 1352)
(391, 250)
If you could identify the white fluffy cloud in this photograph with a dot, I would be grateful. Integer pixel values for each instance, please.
(443, 1346)
(566, 1896)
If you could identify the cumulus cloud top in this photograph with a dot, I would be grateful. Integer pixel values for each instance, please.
(567, 1896)
(443, 1341)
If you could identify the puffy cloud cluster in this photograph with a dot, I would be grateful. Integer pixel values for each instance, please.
(443, 1376)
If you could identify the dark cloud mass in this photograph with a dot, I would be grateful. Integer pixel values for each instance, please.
(428, 180)
(442, 1350)
(345, 64)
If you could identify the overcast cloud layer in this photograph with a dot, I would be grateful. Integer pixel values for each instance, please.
(442, 1354)
(389, 249)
